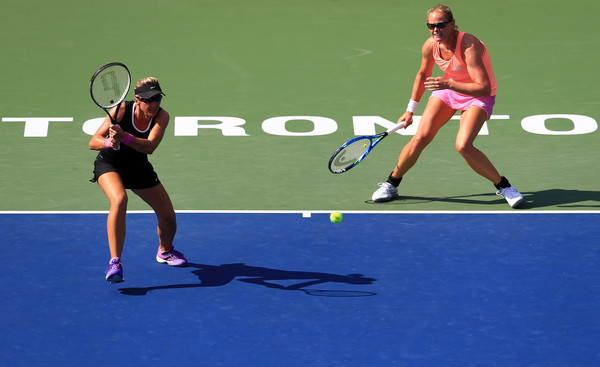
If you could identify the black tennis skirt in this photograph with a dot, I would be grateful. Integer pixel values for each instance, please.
(136, 176)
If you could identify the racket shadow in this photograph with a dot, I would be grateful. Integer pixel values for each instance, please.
(221, 275)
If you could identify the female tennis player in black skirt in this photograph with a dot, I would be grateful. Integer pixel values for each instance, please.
(122, 163)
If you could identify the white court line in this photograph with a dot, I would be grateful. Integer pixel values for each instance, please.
(308, 213)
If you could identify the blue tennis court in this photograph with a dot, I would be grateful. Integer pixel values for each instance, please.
(449, 275)
(293, 289)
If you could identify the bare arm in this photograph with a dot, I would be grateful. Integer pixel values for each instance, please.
(146, 146)
(425, 70)
(98, 140)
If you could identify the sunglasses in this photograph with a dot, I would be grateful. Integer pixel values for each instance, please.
(441, 25)
(156, 98)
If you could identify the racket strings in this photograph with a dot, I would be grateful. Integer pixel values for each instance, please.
(110, 86)
(350, 154)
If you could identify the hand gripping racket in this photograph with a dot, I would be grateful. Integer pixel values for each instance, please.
(355, 150)
(109, 87)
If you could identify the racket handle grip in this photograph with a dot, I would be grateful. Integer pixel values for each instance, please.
(397, 127)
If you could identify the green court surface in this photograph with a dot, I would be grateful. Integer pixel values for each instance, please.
(308, 62)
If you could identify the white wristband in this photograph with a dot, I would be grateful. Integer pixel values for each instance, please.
(412, 106)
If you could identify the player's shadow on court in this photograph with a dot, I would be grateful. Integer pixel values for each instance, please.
(485, 198)
(576, 199)
(217, 276)
(562, 198)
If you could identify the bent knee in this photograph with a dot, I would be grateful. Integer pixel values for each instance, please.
(119, 201)
(419, 142)
(464, 148)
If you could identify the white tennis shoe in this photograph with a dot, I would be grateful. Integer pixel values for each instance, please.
(511, 195)
(385, 192)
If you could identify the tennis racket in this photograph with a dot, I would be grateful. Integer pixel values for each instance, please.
(109, 87)
(355, 150)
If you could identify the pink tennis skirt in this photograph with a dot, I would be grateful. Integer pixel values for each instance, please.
(460, 102)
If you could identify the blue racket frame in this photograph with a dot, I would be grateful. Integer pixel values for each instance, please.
(373, 141)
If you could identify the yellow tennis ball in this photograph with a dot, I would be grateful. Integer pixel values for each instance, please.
(336, 217)
(365, 145)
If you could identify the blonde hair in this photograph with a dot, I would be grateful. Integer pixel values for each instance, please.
(444, 9)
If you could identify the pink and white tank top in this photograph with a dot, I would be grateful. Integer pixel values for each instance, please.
(456, 69)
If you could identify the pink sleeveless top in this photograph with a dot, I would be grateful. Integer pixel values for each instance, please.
(456, 68)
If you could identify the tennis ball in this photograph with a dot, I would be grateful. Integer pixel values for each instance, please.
(336, 217)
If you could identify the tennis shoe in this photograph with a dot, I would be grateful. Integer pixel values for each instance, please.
(385, 192)
(511, 195)
(171, 257)
(114, 271)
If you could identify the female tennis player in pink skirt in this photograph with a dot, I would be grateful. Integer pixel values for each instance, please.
(468, 85)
